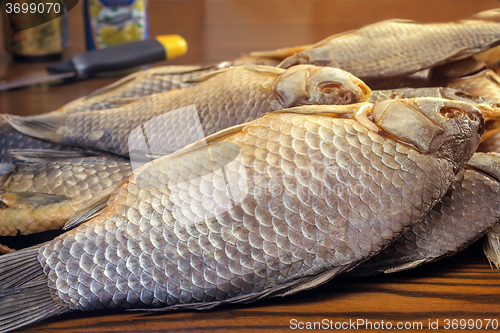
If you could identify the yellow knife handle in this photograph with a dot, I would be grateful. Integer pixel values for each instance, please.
(174, 45)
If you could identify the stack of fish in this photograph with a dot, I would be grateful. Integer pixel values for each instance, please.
(255, 181)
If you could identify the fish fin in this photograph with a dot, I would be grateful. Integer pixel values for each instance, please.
(25, 296)
(42, 127)
(487, 15)
(113, 85)
(208, 76)
(265, 69)
(116, 103)
(12, 267)
(286, 289)
(91, 208)
(5, 170)
(314, 281)
(50, 155)
(17, 199)
(219, 135)
(405, 266)
(5, 249)
(491, 246)
(350, 109)
(281, 53)
(181, 69)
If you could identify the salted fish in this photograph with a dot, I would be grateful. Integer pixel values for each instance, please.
(269, 208)
(40, 196)
(395, 48)
(223, 99)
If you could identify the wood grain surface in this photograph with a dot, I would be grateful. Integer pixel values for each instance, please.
(462, 287)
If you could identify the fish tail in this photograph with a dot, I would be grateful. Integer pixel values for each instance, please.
(42, 127)
(25, 297)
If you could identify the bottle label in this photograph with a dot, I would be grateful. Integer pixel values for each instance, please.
(112, 22)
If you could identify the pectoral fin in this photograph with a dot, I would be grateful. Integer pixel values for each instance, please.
(19, 199)
(91, 208)
(50, 155)
(42, 127)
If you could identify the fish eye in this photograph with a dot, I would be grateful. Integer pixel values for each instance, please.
(450, 112)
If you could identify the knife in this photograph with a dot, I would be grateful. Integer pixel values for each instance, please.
(109, 59)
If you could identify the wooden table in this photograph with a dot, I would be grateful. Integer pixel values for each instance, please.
(462, 287)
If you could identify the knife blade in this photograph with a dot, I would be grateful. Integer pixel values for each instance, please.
(109, 59)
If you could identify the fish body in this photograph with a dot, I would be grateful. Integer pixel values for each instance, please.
(470, 208)
(485, 84)
(37, 196)
(153, 81)
(439, 92)
(400, 47)
(226, 98)
(140, 84)
(272, 207)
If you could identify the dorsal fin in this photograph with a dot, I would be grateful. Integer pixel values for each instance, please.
(119, 102)
(208, 76)
(265, 69)
(281, 53)
(349, 109)
(178, 69)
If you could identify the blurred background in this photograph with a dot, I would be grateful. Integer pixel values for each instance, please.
(223, 29)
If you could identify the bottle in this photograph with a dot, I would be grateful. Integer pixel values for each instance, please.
(44, 42)
(112, 22)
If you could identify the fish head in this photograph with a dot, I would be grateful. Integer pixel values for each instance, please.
(435, 126)
(312, 85)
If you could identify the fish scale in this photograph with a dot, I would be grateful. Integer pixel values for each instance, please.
(468, 210)
(268, 261)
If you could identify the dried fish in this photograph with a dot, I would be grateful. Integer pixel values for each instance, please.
(40, 196)
(395, 48)
(268, 208)
(222, 99)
